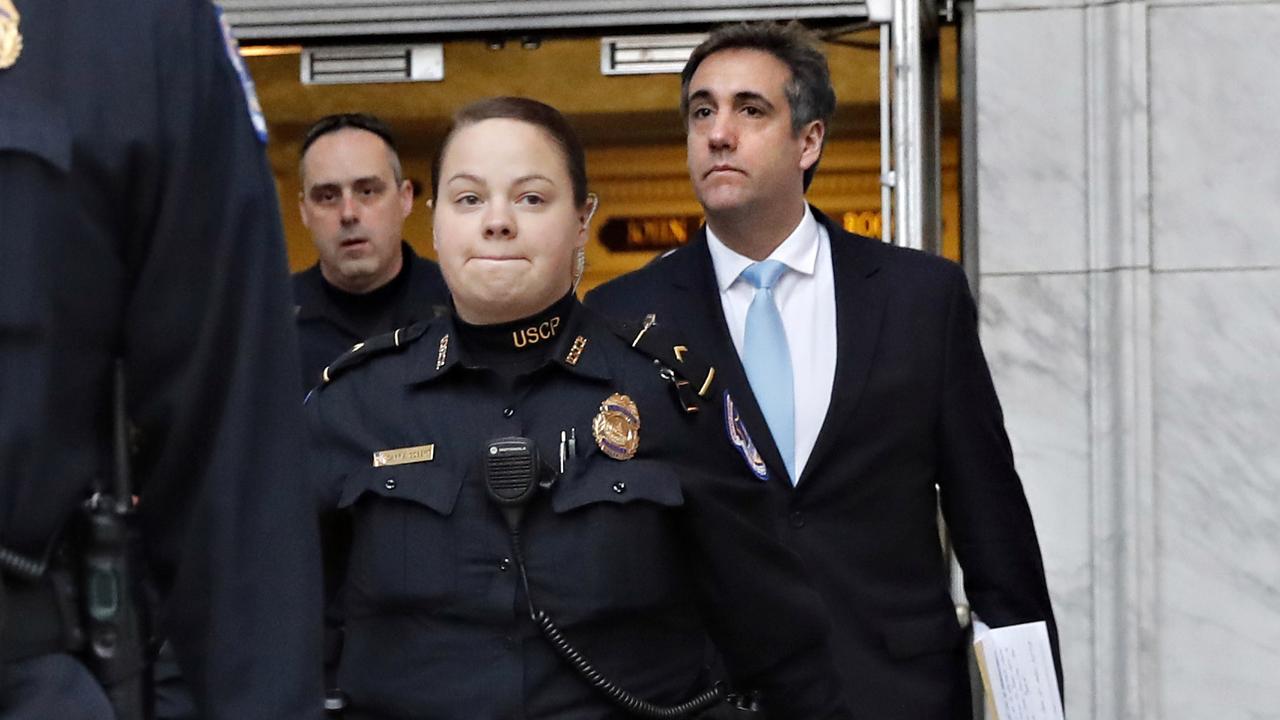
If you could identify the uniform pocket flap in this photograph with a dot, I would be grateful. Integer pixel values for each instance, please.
(29, 126)
(433, 487)
(612, 481)
(909, 637)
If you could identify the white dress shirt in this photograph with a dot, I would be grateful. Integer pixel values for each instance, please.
(806, 299)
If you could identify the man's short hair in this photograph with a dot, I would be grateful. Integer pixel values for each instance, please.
(809, 93)
(359, 121)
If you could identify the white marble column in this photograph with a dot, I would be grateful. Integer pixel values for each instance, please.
(1129, 254)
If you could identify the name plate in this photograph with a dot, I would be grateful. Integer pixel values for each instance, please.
(405, 456)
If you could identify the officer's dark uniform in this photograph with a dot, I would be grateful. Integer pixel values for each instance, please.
(138, 219)
(638, 560)
(330, 321)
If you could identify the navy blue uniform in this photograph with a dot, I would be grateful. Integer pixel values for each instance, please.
(330, 321)
(139, 220)
(638, 560)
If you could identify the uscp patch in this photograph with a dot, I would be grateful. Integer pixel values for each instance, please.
(741, 439)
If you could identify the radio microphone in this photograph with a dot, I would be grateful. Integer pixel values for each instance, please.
(511, 470)
(512, 473)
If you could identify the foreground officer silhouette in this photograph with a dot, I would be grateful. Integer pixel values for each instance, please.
(140, 227)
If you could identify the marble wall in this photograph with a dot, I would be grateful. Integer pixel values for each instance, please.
(1129, 256)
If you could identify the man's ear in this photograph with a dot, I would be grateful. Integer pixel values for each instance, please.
(811, 137)
(406, 197)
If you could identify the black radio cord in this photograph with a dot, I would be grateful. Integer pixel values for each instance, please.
(620, 697)
(21, 566)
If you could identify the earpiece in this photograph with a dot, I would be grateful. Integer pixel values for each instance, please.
(593, 203)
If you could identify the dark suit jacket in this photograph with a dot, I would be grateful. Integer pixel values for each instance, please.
(913, 418)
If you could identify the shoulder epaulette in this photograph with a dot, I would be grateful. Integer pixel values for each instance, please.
(379, 345)
(692, 378)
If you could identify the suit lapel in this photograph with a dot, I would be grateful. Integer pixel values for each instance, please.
(860, 305)
(702, 317)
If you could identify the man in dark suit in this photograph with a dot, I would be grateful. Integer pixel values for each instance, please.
(862, 361)
(368, 280)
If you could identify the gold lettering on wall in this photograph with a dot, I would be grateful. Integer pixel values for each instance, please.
(648, 233)
(862, 222)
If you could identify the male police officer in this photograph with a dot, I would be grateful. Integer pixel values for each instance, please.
(140, 224)
(368, 281)
(862, 362)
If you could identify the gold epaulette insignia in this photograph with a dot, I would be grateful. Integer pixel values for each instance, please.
(575, 352)
(443, 352)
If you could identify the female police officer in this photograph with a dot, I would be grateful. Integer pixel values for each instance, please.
(547, 522)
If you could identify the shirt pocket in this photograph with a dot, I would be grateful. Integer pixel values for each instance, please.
(618, 542)
(403, 547)
(33, 128)
(35, 163)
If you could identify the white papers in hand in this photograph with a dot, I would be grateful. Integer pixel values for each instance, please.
(1017, 672)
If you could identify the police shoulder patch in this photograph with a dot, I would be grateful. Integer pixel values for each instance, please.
(736, 429)
(256, 116)
(361, 353)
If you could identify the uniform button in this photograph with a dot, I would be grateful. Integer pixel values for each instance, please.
(509, 643)
(504, 563)
(796, 519)
(390, 484)
(619, 487)
(508, 412)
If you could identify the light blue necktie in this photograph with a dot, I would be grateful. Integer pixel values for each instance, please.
(767, 360)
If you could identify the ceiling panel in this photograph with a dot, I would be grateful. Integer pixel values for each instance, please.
(283, 20)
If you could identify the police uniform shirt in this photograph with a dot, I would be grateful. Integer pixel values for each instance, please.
(330, 320)
(637, 551)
